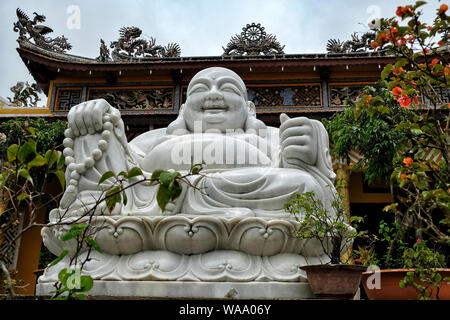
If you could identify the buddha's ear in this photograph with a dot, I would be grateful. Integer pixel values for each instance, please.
(178, 126)
(251, 109)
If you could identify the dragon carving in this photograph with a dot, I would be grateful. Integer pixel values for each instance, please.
(24, 92)
(253, 40)
(30, 29)
(356, 44)
(130, 45)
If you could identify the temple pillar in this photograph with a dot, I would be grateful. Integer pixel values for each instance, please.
(342, 187)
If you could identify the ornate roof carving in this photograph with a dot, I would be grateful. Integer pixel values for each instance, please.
(356, 44)
(30, 30)
(130, 46)
(23, 92)
(253, 41)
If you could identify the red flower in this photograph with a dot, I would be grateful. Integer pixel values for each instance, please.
(408, 161)
(374, 44)
(443, 8)
(416, 100)
(382, 37)
(418, 240)
(405, 101)
(368, 99)
(397, 91)
(404, 176)
(434, 62)
(396, 71)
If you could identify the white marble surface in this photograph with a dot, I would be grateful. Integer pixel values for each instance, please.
(230, 229)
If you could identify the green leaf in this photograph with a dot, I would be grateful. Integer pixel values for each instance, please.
(27, 151)
(124, 198)
(113, 197)
(75, 231)
(401, 63)
(63, 275)
(93, 244)
(25, 174)
(61, 177)
(86, 283)
(22, 196)
(32, 131)
(163, 197)
(420, 3)
(58, 259)
(386, 71)
(134, 172)
(167, 177)
(156, 174)
(38, 161)
(61, 161)
(105, 176)
(52, 156)
(12, 152)
(81, 296)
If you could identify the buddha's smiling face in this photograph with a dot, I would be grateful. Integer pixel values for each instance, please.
(217, 99)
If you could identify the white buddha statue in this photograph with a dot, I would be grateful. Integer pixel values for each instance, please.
(227, 227)
(250, 169)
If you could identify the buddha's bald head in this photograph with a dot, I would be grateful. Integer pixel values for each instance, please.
(219, 72)
(216, 100)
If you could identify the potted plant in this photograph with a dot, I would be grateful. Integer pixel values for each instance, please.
(414, 272)
(336, 279)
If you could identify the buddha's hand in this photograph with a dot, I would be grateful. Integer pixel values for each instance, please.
(298, 141)
(89, 117)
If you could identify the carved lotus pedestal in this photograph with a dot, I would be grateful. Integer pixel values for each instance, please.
(190, 257)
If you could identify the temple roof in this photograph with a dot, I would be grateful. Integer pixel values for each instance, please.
(44, 64)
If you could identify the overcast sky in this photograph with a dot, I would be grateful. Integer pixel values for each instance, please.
(200, 27)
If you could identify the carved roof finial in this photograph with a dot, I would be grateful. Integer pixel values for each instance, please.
(29, 29)
(253, 40)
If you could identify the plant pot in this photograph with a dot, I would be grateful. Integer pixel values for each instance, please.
(390, 289)
(334, 281)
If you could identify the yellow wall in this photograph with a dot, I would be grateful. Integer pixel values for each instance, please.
(357, 195)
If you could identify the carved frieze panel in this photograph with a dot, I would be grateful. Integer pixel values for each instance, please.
(135, 98)
(268, 97)
(66, 98)
(286, 96)
(338, 93)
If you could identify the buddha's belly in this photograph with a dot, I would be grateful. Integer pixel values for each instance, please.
(215, 151)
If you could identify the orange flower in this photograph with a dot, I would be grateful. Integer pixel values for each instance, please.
(434, 62)
(374, 44)
(404, 101)
(443, 8)
(429, 28)
(393, 30)
(397, 70)
(425, 52)
(382, 37)
(404, 176)
(397, 91)
(368, 99)
(416, 100)
(408, 161)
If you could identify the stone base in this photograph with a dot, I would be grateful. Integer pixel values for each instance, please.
(192, 290)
